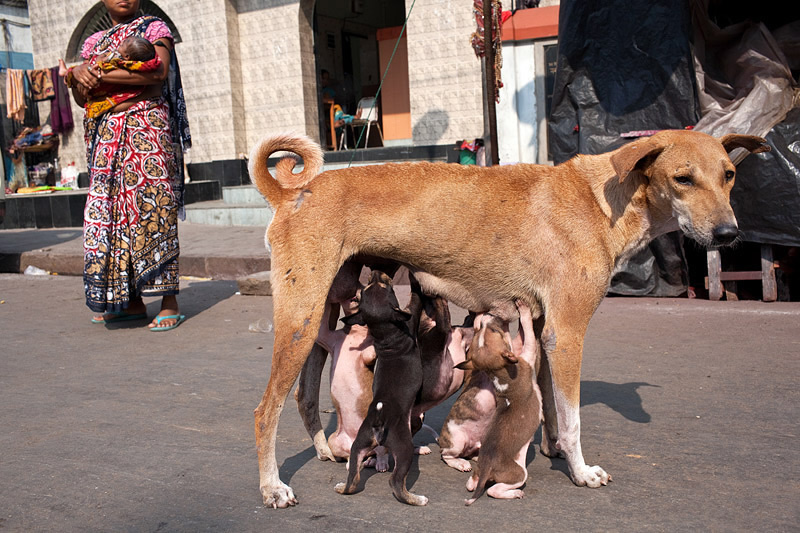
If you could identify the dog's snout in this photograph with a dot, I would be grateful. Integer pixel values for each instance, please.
(725, 233)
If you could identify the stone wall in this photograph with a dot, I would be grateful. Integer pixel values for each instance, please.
(248, 70)
(444, 73)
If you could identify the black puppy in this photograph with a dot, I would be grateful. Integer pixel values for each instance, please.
(397, 382)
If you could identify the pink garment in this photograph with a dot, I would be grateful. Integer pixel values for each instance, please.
(155, 31)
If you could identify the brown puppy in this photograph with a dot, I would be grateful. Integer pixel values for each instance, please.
(519, 406)
(482, 238)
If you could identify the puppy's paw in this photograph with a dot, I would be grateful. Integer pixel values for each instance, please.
(339, 487)
(418, 500)
(322, 448)
(422, 450)
(382, 463)
(590, 476)
(279, 496)
(459, 464)
(549, 449)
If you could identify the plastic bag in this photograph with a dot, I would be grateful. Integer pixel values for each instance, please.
(69, 176)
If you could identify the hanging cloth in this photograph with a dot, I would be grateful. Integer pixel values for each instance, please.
(495, 41)
(15, 94)
(41, 84)
(60, 107)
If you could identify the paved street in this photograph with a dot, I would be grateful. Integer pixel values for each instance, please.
(692, 406)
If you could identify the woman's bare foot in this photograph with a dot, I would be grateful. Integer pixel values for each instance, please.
(169, 307)
(135, 307)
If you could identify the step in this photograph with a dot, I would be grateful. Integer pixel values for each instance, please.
(220, 213)
(243, 194)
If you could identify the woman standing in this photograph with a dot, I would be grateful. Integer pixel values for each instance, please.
(134, 154)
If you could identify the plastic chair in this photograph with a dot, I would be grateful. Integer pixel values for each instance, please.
(360, 120)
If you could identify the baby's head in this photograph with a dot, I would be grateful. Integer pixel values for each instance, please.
(136, 48)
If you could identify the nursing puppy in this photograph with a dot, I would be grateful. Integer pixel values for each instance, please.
(388, 420)
(466, 424)
(519, 407)
(442, 348)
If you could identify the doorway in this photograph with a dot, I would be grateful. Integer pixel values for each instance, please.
(348, 61)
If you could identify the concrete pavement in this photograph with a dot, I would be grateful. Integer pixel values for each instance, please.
(691, 406)
(207, 251)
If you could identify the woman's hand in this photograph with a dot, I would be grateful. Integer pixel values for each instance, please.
(87, 76)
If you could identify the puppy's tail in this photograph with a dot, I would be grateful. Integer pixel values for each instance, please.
(272, 188)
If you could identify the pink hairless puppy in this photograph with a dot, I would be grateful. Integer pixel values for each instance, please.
(352, 359)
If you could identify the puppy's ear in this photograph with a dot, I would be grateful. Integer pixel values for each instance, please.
(400, 315)
(465, 365)
(509, 357)
(356, 319)
(751, 143)
(625, 159)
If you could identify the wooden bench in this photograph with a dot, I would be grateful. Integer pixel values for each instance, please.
(717, 278)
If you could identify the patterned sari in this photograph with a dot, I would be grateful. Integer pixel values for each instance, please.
(131, 215)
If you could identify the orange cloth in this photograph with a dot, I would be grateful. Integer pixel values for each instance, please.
(15, 94)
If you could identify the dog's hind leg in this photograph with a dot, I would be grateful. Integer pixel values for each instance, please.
(362, 445)
(299, 303)
(399, 442)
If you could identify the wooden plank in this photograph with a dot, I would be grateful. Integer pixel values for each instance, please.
(741, 275)
(769, 288)
(714, 270)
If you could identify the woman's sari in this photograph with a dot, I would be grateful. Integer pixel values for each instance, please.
(135, 193)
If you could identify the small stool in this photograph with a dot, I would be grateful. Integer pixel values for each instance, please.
(716, 276)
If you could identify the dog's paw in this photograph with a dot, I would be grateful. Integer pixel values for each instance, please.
(339, 487)
(422, 450)
(459, 464)
(549, 449)
(324, 452)
(382, 463)
(418, 500)
(590, 476)
(505, 494)
(280, 496)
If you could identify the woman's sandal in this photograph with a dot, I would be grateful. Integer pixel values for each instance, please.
(177, 318)
(118, 316)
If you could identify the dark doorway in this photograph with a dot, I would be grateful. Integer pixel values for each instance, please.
(346, 49)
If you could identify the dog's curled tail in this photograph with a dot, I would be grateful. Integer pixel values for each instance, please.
(300, 145)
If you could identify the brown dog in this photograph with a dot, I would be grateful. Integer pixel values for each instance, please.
(550, 237)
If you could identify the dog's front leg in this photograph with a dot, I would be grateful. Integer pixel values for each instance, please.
(564, 349)
(545, 381)
(307, 397)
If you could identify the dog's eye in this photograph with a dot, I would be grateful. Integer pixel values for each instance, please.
(729, 175)
(683, 180)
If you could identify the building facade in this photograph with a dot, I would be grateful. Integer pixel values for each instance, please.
(251, 68)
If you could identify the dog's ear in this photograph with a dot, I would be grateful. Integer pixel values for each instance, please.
(465, 365)
(356, 319)
(625, 159)
(400, 315)
(751, 143)
(510, 357)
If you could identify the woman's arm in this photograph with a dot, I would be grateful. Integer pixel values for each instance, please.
(129, 77)
(86, 78)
